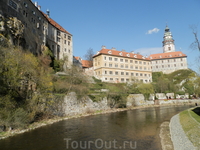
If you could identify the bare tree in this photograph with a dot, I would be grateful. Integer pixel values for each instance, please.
(89, 56)
(196, 43)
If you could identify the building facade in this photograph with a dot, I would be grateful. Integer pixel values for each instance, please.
(170, 60)
(59, 40)
(115, 66)
(38, 29)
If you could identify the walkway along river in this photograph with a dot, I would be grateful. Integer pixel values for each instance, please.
(132, 129)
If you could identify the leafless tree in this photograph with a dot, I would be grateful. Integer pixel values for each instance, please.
(89, 56)
(196, 43)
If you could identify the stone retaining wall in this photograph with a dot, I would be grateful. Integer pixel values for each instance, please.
(74, 106)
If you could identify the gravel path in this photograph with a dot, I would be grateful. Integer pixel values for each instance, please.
(179, 139)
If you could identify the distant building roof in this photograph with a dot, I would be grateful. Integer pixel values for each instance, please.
(86, 64)
(167, 55)
(55, 24)
(121, 54)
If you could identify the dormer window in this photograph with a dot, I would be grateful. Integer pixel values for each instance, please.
(109, 52)
(120, 54)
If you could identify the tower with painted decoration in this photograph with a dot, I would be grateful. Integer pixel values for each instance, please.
(168, 41)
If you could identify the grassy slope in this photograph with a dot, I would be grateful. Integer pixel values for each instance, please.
(190, 122)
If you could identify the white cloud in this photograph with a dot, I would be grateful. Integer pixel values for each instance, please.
(149, 51)
(154, 30)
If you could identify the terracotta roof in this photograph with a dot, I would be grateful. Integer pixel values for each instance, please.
(120, 54)
(77, 58)
(55, 24)
(166, 55)
(86, 64)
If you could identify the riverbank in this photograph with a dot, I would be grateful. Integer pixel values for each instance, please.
(45, 122)
(185, 127)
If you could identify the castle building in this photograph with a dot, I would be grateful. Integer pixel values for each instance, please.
(38, 29)
(59, 40)
(170, 60)
(115, 66)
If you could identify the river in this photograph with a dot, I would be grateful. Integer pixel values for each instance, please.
(132, 129)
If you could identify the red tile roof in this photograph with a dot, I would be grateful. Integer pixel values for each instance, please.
(167, 55)
(55, 24)
(77, 58)
(86, 64)
(121, 54)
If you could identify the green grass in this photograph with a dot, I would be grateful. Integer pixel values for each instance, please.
(190, 122)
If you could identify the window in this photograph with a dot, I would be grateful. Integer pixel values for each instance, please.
(131, 61)
(169, 48)
(140, 68)
(116, 65)
(68, 42)
(65, 35)
(136, 62)
(58, 33)
(69, 37)
(111, 72)
(121, 60)
(127, 73)
(127, 80)
(65, 42)
(145, 75)
(122, 66)
(136, 67)
(136, 74)
(122, 73)
(174, 65)
(126, 66)
(58, 39)
(110, 58)
(174, 60)
(140, 62)
(141, 74)
(126, 60)
(122, 79)
(144, 63)
(12, 4)
(105, 78)
(110, 65)
(116, 59)
(116, 73)
(181, 59)
(105, 72)
(169, 66)
(105, 64)
(162, 66)
(132, 74)
(111, 79)
(131, 66)
(104, 58)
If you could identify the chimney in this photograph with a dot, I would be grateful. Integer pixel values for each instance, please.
(113, 48)
(103, 47)
(39, 7)
(48, 13)
(132, 52)
(36, 4)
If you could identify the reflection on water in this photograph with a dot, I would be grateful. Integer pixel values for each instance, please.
(133, 129)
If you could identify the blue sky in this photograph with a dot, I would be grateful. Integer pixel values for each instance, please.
(125, 24)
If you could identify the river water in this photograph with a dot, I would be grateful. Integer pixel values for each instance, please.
(133, 129)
